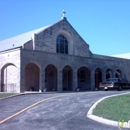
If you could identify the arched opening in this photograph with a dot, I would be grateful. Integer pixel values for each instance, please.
(51, 78)
(32, 76)
(9, 78)
(98, 77)
(67, 75)
(108, 73)
(84, 78)
(118, 74)
(61, 44)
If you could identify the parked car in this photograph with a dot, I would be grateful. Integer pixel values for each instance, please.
(115, 83)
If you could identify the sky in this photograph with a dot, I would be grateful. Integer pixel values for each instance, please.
(103, 24)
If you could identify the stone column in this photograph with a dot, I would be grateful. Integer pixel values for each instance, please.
(122, 74)
(0, 80)
(92, 80)
(22, 82)
(59, 81)
(111, 74)
(42, 80)
(103, 76)
(18, 84)
(75, 81)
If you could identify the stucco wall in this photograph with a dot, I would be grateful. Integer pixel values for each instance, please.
(10, 70)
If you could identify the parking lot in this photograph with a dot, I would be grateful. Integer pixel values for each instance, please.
(64, 111)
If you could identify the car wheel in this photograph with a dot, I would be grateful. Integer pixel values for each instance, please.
(119, 88)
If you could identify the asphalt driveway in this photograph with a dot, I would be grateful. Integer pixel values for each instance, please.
(67, 112)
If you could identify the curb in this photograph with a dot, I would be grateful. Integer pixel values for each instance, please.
(100, 119)
(26, 94)
(29, 92)
(11, 96)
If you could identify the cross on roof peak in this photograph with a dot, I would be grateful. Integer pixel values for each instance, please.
(63, 14)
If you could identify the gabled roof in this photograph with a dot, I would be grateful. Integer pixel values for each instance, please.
(19, 40)
(126, 56)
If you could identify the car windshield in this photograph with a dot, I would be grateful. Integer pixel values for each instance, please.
(111, 80)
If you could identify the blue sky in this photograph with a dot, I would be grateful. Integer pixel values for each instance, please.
(103, 24)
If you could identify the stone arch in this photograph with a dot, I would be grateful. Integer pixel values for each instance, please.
(84, 78)
(32, 77)
(98, 77)
(118, 73)
(51, 78)
(109, 73)
(9, 78)
(33, 62)
(67, 78)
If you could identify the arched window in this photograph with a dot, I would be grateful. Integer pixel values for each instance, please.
(61, 45)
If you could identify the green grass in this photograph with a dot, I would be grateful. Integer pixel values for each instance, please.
(114, 108)
(2, 95)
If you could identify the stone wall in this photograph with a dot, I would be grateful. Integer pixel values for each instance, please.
(46, 40)
(28, 45)
(42, 59)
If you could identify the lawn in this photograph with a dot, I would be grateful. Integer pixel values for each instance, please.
(114, 108)
(2, 95)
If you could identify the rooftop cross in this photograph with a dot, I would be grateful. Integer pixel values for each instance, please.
(63, 12)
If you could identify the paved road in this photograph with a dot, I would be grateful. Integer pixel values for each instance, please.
(62, 113)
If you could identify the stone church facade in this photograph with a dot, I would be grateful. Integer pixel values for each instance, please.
(55, 58)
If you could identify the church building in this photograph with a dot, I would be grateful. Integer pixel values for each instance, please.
(55, 58)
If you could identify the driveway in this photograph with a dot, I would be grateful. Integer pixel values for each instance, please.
(67, 112)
